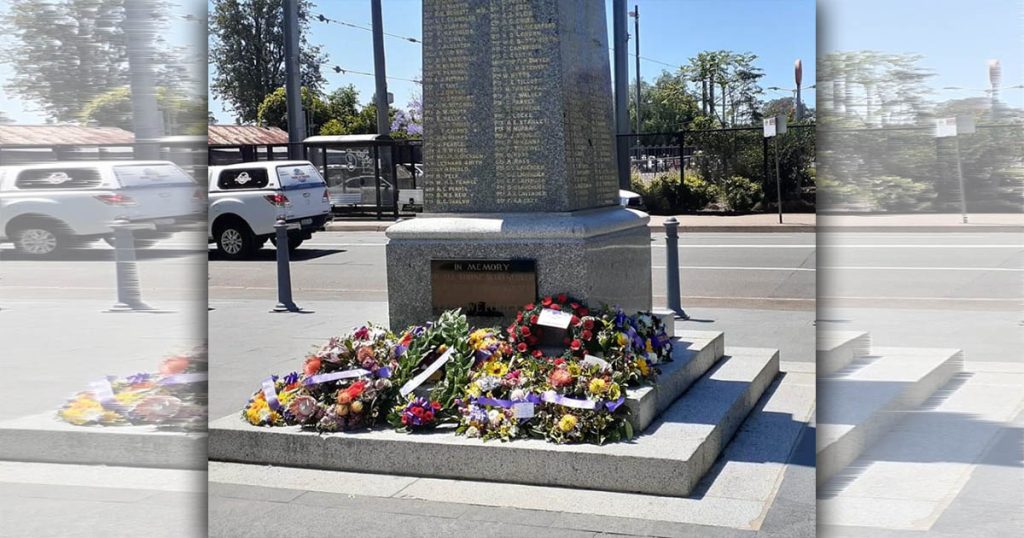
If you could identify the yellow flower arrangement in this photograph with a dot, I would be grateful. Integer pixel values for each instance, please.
(622, 339)
(614, 392)
(641, 364)
(495, 368)
(567, 423)
(598, 386)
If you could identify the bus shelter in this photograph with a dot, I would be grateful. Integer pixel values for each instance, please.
(369, 175)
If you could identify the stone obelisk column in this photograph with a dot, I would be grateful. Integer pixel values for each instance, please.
(521, 189)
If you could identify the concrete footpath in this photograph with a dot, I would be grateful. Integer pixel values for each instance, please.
(797, 222)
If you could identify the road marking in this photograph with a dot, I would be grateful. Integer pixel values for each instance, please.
(716, 268)
(870, 268)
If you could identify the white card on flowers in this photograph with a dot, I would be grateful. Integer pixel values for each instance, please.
(591, 360)
(425, 374)
(522, 410)
(554, 318)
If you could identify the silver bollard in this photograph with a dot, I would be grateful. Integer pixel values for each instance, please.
(129, 295)
(672, 266)
(284, 275)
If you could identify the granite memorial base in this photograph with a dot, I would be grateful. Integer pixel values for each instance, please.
(46, 439)
(598, 256)
(669, 458)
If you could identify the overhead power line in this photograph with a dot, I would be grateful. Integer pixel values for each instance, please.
(325, 19)
(322, 18)
(343, 71)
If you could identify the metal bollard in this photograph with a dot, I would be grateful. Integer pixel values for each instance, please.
(129, 296)
(672, 266)
(284, 275)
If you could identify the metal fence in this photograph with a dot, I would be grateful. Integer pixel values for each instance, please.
(717, 156)
(901, 169)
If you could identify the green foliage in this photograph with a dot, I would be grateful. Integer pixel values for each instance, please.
(666, 195)
(65, 53)
(273, 110)
(740, 194)
(113, 108)
(247, 53)
(450, 331)
(894, 193)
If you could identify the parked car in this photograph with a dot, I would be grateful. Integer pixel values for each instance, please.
(45, 208)
(631, 200)
(247, 199)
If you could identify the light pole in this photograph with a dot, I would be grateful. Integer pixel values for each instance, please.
(620, 39)
(798, 73)
(636, 35)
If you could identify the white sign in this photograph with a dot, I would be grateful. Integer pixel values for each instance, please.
(774, 126)
(945, 127)
(425, 374)
(522, 410)
(965, 124)
(591, 360)
(554, 318)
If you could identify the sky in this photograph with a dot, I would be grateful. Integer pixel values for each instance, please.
(671, 31)
(956, 37)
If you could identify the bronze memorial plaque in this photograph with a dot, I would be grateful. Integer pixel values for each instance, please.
(483, 288)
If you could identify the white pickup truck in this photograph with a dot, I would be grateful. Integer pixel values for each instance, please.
(247, 199)
(45, 208)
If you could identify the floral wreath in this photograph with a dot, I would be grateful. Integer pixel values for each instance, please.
(525, 332)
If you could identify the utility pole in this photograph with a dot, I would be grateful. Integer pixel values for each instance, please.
(379, 72)
(620, 36)
(293, 84)
(636, 35)
(146, 119)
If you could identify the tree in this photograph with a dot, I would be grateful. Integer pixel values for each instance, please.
(667, 105)
(787, 106)
(113, 108)
(273, 110)
(65, 53)
(735, 76)
(247, 51)
(408, 124)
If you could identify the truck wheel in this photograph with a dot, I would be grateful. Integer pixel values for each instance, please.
(235, 240)
(40, 240)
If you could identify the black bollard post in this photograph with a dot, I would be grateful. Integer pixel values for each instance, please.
(129, 295)
(284, 276)
(672, 267)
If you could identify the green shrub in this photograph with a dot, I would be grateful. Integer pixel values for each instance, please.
(666, 195)
(895, 193)
(741, 194)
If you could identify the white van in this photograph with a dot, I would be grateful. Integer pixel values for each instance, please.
(45, 208)
(247, 199)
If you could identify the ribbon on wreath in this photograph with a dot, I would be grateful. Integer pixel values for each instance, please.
(104, 394)
(523, 409)
(270, 393)
(181, 379)
(578, 403)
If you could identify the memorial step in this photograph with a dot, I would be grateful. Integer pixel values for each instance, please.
(45, 438)
(918, 470)
(669, 458)
(693, 353)
(836, 349)
(866, 397)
